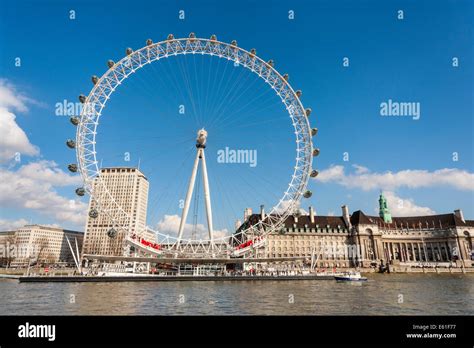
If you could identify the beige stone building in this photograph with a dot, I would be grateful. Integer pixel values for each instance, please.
(415, 240)
(364, 240)
(129, 188)
(43, 244)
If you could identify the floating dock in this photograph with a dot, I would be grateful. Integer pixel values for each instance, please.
(156, 278)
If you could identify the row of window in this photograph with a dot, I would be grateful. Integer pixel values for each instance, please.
(314, 230)
(304, 237)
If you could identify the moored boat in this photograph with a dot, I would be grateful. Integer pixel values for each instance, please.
(351, 277)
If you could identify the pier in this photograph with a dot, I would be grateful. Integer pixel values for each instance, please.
(167, 278)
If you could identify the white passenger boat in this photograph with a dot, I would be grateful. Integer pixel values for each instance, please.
(351, 277)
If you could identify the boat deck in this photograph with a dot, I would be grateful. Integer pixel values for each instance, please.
(157, 278)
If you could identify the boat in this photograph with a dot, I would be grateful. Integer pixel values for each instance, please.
(323, 273)
(351, 277)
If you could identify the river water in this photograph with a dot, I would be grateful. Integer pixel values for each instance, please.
(383, 294)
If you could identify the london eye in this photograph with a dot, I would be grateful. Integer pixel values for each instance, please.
(296, 134)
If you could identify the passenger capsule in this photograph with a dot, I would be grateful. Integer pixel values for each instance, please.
(192, 36)
(314, 131)
(170, 37)
(128, 51)
(213, 37)
(149, 42)
(253, 51)
(71, 143)
(72, 167)
(80, 191)
(271, 63)
(94, 79)
(234, 43)
(74, 120)
(308, 112)
(315, 152)
(82, 98)
(314, 173)
(307, 194)
(110, 63)
(93, 213)
(286, 77)
(112, 233)
(299, 93)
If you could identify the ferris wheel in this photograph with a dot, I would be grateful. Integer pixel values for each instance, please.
(245, 238)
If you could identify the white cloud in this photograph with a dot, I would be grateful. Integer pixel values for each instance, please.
(47, 172)
(10, 225)
(333, 173)
(32, 186)
(404, 206)
(366, 180)
(170, 225)
(13, 139)
(11, 99)
(284, 205)
(360, 169)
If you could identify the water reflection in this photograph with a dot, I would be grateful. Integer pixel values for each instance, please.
(382, 294)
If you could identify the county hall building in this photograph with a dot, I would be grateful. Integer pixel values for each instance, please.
(363, 240)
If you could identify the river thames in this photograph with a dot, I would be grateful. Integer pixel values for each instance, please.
(394, 294)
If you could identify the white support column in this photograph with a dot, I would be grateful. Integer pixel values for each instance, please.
(200, 145)
(73, 255)
(207, 196)
(79, 261)
(189, 195)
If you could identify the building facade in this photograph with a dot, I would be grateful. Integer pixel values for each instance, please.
(7, 240)
(128, 187)
(42, 244)
(363, 240)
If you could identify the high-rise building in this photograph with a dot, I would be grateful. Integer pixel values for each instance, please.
(128, 187)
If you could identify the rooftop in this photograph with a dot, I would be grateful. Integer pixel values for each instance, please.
(358, 217)
(49, 228)
(411, 222)
(122, 170)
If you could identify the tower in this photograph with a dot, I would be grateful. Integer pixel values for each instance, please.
(384, 213)
(129, 188)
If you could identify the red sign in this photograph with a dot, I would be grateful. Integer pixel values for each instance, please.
(46, 270)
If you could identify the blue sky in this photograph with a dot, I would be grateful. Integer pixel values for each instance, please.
(408, 60)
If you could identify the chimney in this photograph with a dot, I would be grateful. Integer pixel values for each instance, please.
(262, 212)
(345, 216)
(459, 214)
(311, 214)
(247, 213)
(238, 223)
